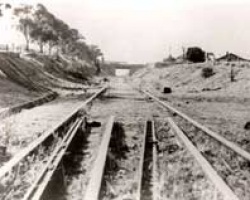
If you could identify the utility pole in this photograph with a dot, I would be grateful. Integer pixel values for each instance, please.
(232, 75)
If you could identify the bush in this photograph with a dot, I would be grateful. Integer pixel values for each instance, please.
(207, 72)
(196, 55)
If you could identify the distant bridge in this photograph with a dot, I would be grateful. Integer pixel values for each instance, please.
(120, 68)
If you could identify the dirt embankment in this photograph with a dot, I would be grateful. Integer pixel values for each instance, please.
(25, 77)
(224, 110)
(12, 93)
(188, 79)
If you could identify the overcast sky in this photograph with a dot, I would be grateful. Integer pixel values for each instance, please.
(146, 30)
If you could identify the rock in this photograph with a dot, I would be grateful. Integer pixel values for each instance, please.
(174, 114)
(105, 79)
(167, 90)
(247, 126)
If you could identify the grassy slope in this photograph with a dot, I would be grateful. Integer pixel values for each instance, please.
(22, 79)
(12, 93)
(187, 79)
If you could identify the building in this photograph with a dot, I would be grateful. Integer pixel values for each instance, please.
(230, 57)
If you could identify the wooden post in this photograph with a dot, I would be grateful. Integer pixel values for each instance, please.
(232, 75)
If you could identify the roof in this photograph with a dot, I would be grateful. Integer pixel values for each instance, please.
(231, 57)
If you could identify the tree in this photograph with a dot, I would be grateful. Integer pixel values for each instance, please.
(195, 54)
(43, 31)
(80, 50)
(95, 55)
(71, 37)
(8, 6)
(26, 27)
(59, 28)
(26, 22)
(40, 26)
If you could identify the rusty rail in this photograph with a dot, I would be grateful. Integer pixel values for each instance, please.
(94, 186)
(47, 150)
(147, 169)
(27, 105)
(234, 147)
(223, 188)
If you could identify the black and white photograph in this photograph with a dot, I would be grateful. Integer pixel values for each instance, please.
(124, 100)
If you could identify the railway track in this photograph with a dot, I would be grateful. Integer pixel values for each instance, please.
(125, 167)
(205, 165)
(146, 172)
(146, 176)
(36, 102)
(147, 179)
(214, 135)
(129, 163)
(27, 174)
(226, 160)
(148, 165)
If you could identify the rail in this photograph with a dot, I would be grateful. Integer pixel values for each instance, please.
(223, 188)
(26, 167)
(27, 105)
(147, 169)
(94, 186)
(234, 147)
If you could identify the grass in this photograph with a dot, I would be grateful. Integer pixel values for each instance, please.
(180, 177)
(25, 172)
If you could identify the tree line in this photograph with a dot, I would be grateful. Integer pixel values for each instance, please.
(41, 27)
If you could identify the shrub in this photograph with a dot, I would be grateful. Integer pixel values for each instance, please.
(196, 55)
(207, 72)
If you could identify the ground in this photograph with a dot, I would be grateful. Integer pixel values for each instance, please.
(12, 93)
(215, 102)
(26, 77)
(188, 79)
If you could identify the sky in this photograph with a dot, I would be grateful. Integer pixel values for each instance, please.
(141, 31)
